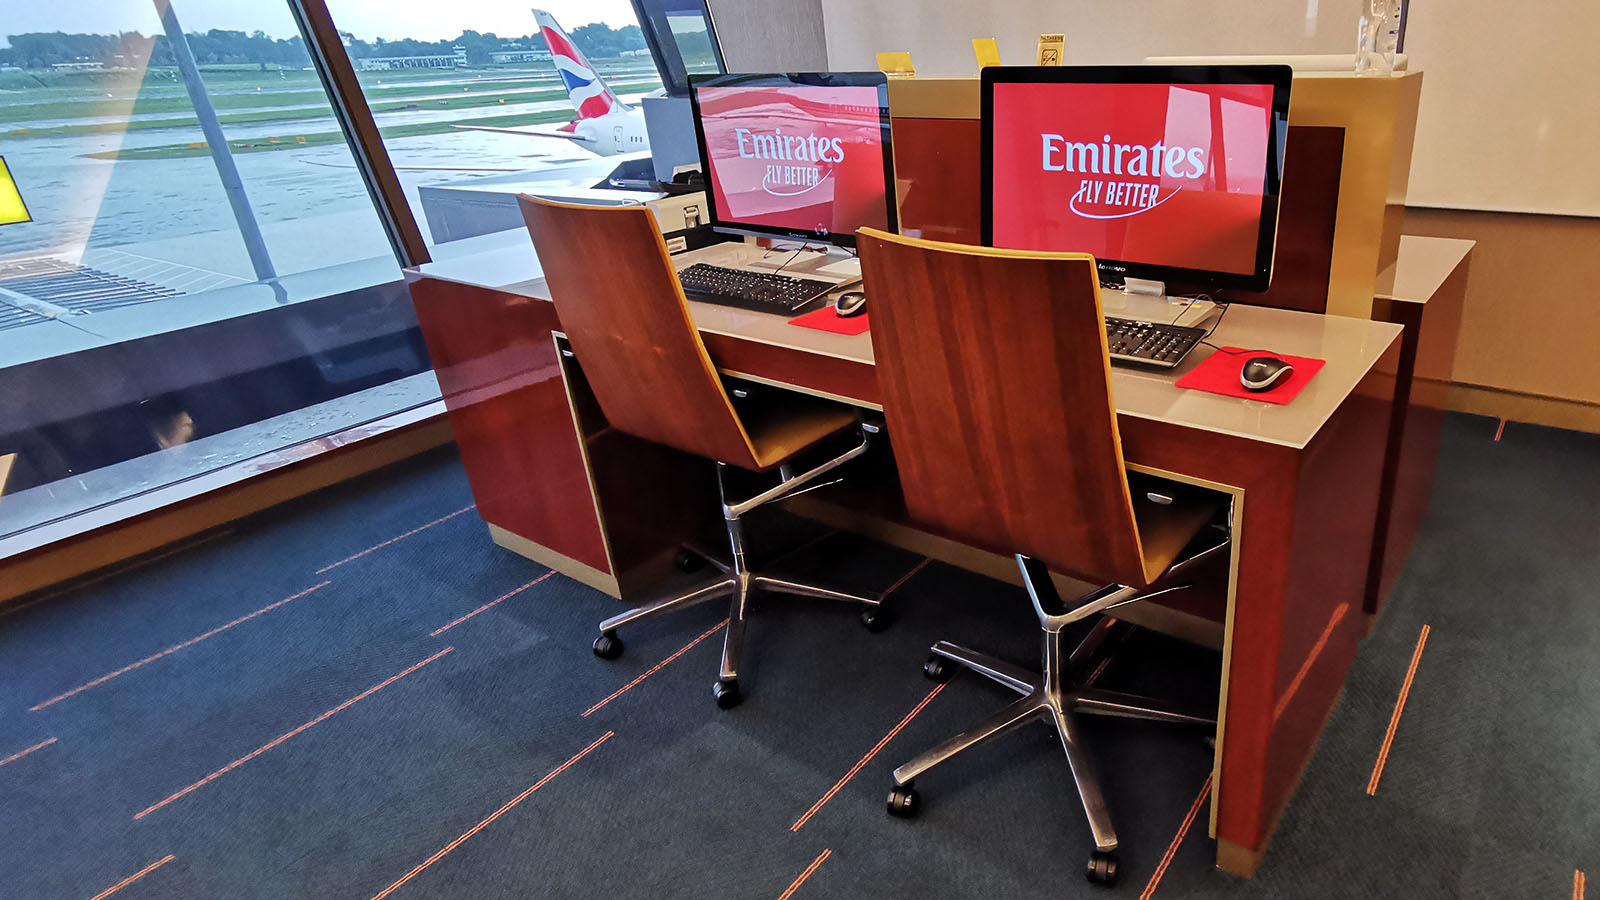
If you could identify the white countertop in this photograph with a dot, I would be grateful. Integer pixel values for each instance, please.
(506, 262)
(1421, 267)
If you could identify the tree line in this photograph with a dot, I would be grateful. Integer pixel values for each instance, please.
(40, 50)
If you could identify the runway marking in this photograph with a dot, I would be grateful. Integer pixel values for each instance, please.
(1305, 667)
(815, 864)
(21, 753)
(438, 631)
(1177, 840)
(654, 669)
(1580, 883)
(286, 736)
(860, 764)
(173, 649)
(395, 538)
(1500, 430)
(134, 877)
(492, 816)
(1399, 707)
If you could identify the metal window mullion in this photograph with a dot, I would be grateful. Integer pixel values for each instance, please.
(338, 76)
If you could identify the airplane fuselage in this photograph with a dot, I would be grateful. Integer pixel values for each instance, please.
(620, 131)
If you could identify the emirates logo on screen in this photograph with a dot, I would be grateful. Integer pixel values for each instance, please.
(796, 164)
(1155, 165)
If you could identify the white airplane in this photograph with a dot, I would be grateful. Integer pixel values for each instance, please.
(605, 124)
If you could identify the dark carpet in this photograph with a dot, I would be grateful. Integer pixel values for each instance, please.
(335, 745)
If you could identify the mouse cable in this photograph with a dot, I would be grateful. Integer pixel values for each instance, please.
(1220, 349)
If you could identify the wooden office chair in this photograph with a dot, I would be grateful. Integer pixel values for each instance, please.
(995, 380)
(624, 313)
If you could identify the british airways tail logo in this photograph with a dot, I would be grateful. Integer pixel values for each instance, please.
(588, 93)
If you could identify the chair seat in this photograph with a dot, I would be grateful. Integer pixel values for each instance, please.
(1166, 529)
(781, 424)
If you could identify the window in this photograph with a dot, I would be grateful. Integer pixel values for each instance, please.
(475, 104)
(204, 277)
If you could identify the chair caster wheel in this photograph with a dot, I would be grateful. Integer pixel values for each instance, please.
(688, 561)
(904, 802)
(875, 619)
(939, 669)
(608, 645)
(1102, 868)
(727, 694)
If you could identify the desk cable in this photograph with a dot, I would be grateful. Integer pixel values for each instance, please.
(1219, 349)
(798, 250)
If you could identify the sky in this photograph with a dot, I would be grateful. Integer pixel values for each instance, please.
(368, 19)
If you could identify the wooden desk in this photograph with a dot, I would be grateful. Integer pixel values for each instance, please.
(1305, 478)
(1424, 291)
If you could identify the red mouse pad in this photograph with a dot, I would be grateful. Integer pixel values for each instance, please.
(825, 319)
(1219, 374)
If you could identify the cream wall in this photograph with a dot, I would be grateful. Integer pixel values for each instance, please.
(1510, 118)
(938, 33)
(1530, 319)
(771, 35)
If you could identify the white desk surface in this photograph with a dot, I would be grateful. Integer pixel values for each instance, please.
(1350, 346)
(1421, 267)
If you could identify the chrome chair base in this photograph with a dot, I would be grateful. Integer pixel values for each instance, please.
(736, 582)
(1057, 695)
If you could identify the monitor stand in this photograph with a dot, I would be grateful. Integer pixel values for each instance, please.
(819, 260)
(1148, 301)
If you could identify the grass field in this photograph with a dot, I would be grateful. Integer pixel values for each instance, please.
(260, 145)
(253, 95)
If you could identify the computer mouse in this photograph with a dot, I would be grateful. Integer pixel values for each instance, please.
(1263, 373)
(850, 303)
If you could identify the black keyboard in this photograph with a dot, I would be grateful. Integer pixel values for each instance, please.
(1149, 343)
(760, 291)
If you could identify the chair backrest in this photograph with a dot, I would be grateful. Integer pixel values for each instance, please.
(995, 380)
(623, 310)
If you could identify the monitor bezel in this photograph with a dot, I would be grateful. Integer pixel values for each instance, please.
(727, 225)
(1117, 270)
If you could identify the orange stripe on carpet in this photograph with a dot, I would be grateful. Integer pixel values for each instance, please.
(134, 877)
(438, 631)
(1399, 707)
(815, 864)
(284, 737)
(397, 537)
(654, 669)
(173, 649)
(1177, 840)
(1580, 883)
(495, 815)
(21, 753)
(860, 764)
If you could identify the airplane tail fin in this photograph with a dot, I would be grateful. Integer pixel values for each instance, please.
(588, 91)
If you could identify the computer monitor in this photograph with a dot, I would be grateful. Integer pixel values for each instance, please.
(800, 155)
(1164, 173)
